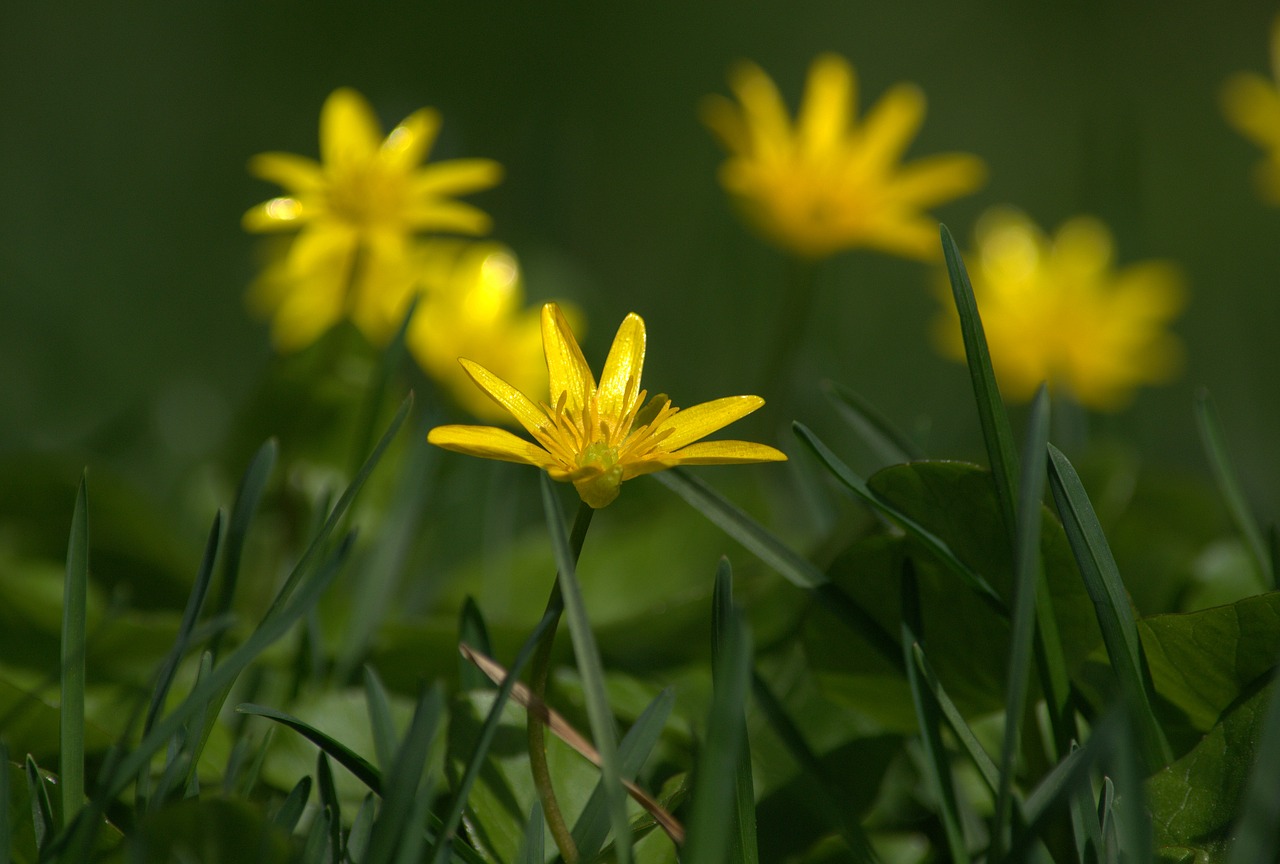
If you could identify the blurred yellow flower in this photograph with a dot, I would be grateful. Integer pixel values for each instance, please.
(827, 182)
(597, 436)
(356, 212)
(472, 305)
(1252, 104)
(1056, 310)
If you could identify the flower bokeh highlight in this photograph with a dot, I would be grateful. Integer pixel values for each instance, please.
(356, 213)
(1057, 309)
(1251, 104)
(597, 436)
(829, 182)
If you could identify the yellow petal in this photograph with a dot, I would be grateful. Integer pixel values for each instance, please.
(520, 405)
(935, 179)
(1252, 104)
(763, 110)
(829, 94)
(410, 142)
(349, 131)
(452, 216)
(620, 380)
(456, 177)
(696, 422)
(489, 442)
(293, 172)
(724, 119)
(891, 125)
(278, 214)
(707, 453)
(566, 367)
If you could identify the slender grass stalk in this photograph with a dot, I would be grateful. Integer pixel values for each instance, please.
(1215, 447)
(380, 722)
(388, 364)
(1027, 576)
(248, 496)
(41, 806)
(742, 834)
(885, 440)
(591, 669)
(405, 780)
(71, 709)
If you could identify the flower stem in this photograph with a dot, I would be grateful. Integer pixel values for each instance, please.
(539, 671)
(792, 323)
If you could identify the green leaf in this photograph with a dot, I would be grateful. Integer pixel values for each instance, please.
(709, 838)
(1215, 448)
(360, 767)
(294, 803)
(996, 431)
(380, 722)
(71, 713)
(885, 441)
(1111, 605)
(1259, 812)
(604, 731)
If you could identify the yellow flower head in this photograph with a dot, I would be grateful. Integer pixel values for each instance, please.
(356, 212)
(472, 305)
(1252, 105)
(828, 182)
(1057, 310)
(597, 436)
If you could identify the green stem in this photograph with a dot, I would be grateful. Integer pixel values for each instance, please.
(539, 672)
(792, 323)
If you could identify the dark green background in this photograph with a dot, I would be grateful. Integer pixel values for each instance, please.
(124, 133)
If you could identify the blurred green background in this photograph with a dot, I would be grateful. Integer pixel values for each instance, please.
(124, 133)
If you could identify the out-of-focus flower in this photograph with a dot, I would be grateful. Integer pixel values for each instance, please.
(356, 212)
(597, 436)
(1252, 104)
(472, 305)
(1056, 310)
(827, 182)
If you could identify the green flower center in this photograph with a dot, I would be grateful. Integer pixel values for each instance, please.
(600, 489)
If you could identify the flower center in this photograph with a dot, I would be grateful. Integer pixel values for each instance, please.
(366, 195)
(601, 488)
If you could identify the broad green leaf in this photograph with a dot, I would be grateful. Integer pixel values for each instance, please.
(1195, 800)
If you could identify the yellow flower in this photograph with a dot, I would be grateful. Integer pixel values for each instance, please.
(597, 436)
(472, 305)
(356, 212)
(1252, 105)
(828, 182)
(1057, 310)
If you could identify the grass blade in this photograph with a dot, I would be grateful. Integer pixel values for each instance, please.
(858, 486)
(71, 711)
(380, 722)
(603, 728)
(709, 838)
(937, 761)
(291, 810)
(248, 496)
(472, 631)
(361, 828)
(1215, 448)
(387, 366)
(1111, 605)
(592, 828)
(6, 829)
(959, 726)
(329, 800)
(1255, 828)
(837, 811)
(1026, 576)
(404, 779)
(41, 807)
(757, 539)
(359, 767)
(532, 849)
(885, 441)
(996, 431)
(742, 831)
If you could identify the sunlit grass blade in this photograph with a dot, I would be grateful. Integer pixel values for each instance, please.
(472, 631)
(732, 520)
(710, 836)
(71, 709)
(996, 431)
(1215, 448)
(928, 717)
(838, 812)
(1026, 577)
(742, 838)
(315, 549)
(404, 779)
(858, 487)
(218, 680)
(380, 722)
(191, 614)
(886, 442)
(294, 803)
(359, 767)
(41, 807)
(532, 848)
(603, 728)
(248, 496)
(1255, 828)
(1111, 605)
(458, 801)
(592, 828)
